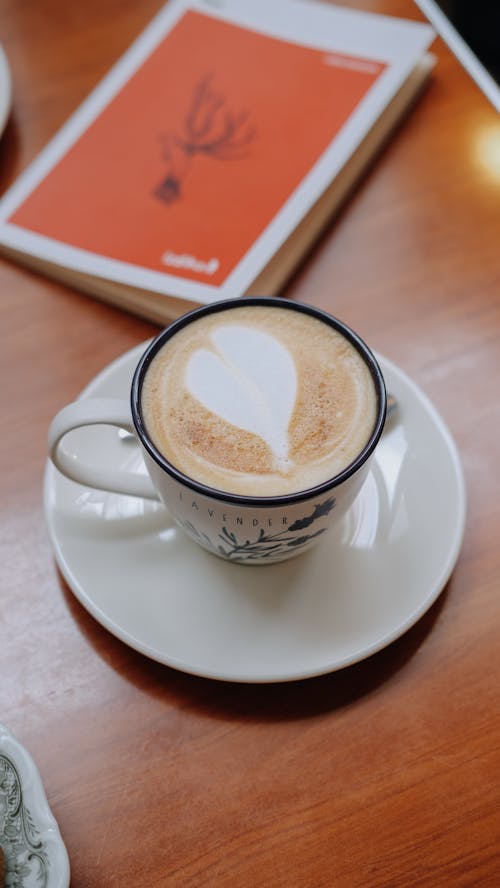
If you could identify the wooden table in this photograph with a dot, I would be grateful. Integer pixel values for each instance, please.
(383, 774)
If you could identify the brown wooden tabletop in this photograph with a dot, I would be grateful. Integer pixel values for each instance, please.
(386, 773)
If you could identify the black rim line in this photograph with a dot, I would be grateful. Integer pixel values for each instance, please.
(241, 499)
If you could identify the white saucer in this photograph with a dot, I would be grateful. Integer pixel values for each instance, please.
(5, 90)
(361, 587)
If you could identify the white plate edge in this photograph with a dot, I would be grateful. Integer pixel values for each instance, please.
(6, 86)
(39, 808)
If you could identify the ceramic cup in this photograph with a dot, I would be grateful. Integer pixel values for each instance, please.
(248, 529)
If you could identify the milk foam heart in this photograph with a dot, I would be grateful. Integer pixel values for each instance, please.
(259, 400)
(249, 380)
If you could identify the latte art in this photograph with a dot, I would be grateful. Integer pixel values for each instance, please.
(249, 379)
(258, 400)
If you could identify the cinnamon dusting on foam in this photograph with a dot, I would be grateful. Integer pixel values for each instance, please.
(260, 401)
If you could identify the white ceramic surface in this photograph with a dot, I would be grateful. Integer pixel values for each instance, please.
(34, 852)
(163, 595)
(5, 90)
(239, 378)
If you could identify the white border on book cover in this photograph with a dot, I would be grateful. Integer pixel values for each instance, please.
(398, 43)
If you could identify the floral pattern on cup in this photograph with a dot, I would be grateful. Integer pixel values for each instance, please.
(265, 545)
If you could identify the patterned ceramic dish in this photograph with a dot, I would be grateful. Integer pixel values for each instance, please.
(35, 855)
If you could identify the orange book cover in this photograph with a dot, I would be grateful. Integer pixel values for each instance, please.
(182, 170)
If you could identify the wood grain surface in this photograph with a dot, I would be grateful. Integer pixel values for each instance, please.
(384, 774)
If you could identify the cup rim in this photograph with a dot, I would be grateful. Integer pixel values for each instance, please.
(243, 499)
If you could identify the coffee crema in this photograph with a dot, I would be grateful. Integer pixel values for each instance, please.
(259, 401)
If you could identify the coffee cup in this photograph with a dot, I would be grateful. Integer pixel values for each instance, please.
(257, 419)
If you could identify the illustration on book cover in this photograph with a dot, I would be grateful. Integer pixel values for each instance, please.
(210, 145)
(210, 128)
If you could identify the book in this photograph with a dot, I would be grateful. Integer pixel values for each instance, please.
(213, 154)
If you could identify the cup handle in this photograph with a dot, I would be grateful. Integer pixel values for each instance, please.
(96, 411)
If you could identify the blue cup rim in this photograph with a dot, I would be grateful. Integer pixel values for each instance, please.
(242, 499)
